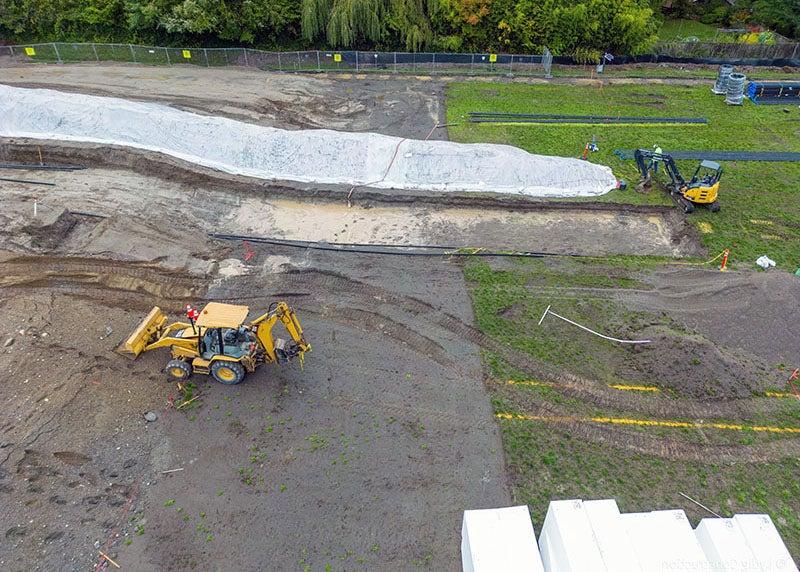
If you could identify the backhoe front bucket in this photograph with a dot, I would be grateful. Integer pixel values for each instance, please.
(145, 333)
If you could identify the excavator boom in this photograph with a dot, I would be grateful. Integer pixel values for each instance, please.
(264, 325)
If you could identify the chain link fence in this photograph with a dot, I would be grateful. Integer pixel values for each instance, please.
(730, 50)
(312, 60)
(392, 62)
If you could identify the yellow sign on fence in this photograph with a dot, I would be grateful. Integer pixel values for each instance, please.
(492, 58)
(30, 51)
(337, 57)
(187, 54)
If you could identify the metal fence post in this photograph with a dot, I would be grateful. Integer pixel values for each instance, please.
(319, 69)
(471, 63)
(169, 62)
(245, 57)
(58, 56)
(794, 53)
(94, 49)
(433, 63)
(395, 62)
(356, 61)
(205, 53)
(133, 54)
(279, 62)
(511, 65)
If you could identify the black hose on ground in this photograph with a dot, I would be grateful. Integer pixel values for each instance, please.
(387, 249)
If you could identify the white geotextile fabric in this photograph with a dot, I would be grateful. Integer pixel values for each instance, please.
(311, 156)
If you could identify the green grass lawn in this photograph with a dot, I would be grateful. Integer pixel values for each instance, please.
(546, 463)
(760, 201)
(679, 30)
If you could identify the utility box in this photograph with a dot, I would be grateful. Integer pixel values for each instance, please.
(499, 540)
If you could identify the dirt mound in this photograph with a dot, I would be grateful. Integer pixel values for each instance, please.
(49, 230)
(692, 365)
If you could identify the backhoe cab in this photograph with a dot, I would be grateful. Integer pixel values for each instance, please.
(219, 342)
(701, 189)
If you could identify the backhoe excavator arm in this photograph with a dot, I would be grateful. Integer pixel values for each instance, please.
(264, 324)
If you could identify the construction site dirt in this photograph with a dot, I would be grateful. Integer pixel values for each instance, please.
(363, 458)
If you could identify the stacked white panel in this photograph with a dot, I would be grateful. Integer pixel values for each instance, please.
(612, 538)
(725, 546)
(765, 542)
(664, 540)
(499, 540)
(567, 542)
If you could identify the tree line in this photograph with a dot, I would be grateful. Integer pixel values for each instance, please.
(578, 27)
(581, 28)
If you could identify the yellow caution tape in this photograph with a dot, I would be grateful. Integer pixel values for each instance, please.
(622, 387)
(531, 382)
(780, 394)
(652, 423)
(717, 257)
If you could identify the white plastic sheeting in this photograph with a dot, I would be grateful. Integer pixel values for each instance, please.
(311, 156)
(499, 539)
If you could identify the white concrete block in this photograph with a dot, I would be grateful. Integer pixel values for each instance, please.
(765, 542)
(612, 538)
(499, 540)
(567, 542)
(725, 546)
(664, 540)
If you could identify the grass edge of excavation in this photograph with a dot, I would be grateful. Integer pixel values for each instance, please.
(750, 191)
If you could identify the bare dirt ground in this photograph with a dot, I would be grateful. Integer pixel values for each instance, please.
(365, 458)
(392, 106)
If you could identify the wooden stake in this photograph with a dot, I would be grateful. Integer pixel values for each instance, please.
(171, 471)
(187, 402)
(107, 557)
(699, 504)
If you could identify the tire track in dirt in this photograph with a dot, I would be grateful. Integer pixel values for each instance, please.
(123, 277)
(576, 386)
(581, 388)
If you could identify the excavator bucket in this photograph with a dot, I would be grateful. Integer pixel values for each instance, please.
(145, 333)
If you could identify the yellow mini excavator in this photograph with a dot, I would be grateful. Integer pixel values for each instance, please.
(701, 190)
(217, 341)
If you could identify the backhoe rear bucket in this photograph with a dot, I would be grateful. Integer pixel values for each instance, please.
(145, 333)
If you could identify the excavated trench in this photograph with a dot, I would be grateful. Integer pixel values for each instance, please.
(125, 183)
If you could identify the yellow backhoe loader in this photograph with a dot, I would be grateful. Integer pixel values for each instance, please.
(219, 342)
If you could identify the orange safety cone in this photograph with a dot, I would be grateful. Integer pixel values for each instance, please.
(585, 152)
(724, 266)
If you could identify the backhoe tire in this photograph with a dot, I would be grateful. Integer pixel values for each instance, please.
(714, 207)
(178, 370)
(227, 372)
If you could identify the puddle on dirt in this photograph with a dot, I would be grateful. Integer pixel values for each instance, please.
(579, 231)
